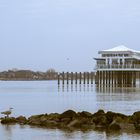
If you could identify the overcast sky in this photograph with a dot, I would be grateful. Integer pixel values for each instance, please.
(64, 34)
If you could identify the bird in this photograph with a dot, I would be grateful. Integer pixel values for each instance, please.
(8, 112)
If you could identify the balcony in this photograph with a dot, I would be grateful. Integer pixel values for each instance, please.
(131, 67)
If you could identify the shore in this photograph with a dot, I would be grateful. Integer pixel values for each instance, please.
(84, 121)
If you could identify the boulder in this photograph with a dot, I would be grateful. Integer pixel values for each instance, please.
(50, 124)
(84, 114)
(53, 116)
(112, 115)
(75, 123)
(114, 126)
(99, 113)
(8, 120)
(136, 117)
(68, 114)
(21, 120)
(37, 119)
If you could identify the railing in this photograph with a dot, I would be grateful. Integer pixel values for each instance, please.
(130, 66)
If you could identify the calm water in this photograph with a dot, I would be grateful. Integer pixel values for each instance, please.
(36, 97)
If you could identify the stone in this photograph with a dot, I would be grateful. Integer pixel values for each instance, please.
(136, 117)
(21, 120)
(68, 114)
(36, 119)
(8, 120)
(75, 123)
(99, 113)
(84, 114)
(114, 126)
(53, 116)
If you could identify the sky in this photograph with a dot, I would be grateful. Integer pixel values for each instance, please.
(64, 34)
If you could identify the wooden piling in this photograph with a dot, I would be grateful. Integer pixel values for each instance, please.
(87, 77)
(71, 77)
(63, 78)
(67, 78)
(58, 77)
(80, 78)
(84, 78)
(76, 78)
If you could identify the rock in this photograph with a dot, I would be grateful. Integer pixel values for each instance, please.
(65, 120)
(75, 123)
(99, 118)
(99, 113)
(8, 120)
(84, 114)
(21, 120)
(137, 126)
(53, 116)
(50, 124)
(112, 115)
(37, 119)
(68, 114)
(114, 126)
(136, 117)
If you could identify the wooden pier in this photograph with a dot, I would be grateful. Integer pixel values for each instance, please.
(76, 78)
(117, 78)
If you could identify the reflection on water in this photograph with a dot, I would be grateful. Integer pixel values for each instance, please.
(33, 133)
(76, 88)
(29, 98)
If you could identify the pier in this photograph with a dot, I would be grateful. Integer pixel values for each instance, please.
(118, 67)
(76, 78)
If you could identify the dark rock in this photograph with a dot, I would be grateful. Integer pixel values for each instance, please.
(100, 120)
(68, 114)
(84, 114)
(37, 119)
(114, 126)
(112, 115)
(137, 126)
(53, 116)
(21, 120)
(136, 117)
(50, 124)
(75, 123)
(8, 120)
(99, 113)
(65, 120)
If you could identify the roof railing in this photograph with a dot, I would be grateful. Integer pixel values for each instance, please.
(117, 66)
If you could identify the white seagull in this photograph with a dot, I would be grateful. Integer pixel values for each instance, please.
(8, 112)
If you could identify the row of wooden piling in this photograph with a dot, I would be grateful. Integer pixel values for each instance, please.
(116, 78)
(70, 77)
(101, 78)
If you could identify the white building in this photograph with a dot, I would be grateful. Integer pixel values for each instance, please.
(118, 58)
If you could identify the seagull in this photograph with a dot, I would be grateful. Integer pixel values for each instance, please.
(8, 112)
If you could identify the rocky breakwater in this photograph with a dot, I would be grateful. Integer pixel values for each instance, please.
(108, 121)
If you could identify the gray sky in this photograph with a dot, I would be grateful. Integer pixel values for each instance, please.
(64, 34)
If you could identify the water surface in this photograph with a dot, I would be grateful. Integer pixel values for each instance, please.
(36, 97)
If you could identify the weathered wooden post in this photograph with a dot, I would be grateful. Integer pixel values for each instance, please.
(80, 78)
(91, 77)
(63, 78)
(76, 78)
(87, 77)
(58, 76)
(84, 78)
(71, 77)
(67, 78)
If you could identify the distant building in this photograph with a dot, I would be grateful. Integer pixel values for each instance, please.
(119, 66)
(118, 58)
